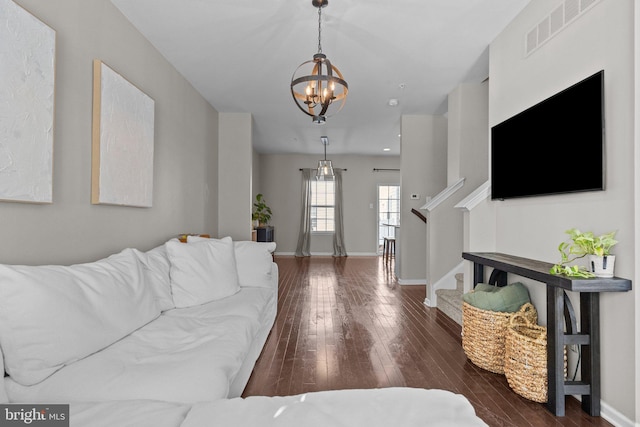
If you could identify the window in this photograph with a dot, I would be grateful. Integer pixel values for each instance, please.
(322, 206)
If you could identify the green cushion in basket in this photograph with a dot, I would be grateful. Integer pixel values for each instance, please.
(505, 299)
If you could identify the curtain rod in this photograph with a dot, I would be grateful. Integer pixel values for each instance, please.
(380, 170)
(344, 170)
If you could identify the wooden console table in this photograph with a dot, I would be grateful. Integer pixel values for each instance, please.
(559, 308)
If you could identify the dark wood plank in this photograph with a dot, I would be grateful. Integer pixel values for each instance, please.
(345, 323)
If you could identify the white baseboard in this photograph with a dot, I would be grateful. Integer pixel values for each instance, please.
(412, 282)
(363, 254)
(612, 415)
(330, 253)
(615, 417)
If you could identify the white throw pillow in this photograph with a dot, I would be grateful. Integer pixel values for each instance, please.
(254, 260)
(157, 269)
(53, 315)
(202, 271)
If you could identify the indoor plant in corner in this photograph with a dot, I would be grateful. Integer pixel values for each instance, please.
(261, 216)
(597, 248)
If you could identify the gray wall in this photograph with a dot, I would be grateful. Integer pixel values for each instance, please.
(469, 104)
(467, 154)
(72, 230)
(235, 167)
(424, 172)
(602, 38)
(280, 182)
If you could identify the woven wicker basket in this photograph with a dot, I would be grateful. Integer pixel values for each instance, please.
(484, 332)
(525, 360)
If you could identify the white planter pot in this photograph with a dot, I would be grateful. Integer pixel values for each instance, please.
(602, 266)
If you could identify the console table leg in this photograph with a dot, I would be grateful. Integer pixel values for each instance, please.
(590, 354)
(478, 273)
(555, 352)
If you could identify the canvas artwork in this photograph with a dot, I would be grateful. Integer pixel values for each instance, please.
(27, 72)
(122, 150)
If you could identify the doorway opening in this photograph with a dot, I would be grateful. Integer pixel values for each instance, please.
(388, 212)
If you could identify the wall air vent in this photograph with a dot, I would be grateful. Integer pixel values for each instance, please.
(550, 25)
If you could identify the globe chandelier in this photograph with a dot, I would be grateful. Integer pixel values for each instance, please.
(317, 86)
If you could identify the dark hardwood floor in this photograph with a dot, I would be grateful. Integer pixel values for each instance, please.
(345, 323)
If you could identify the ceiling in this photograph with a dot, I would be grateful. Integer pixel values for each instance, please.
(241, 54)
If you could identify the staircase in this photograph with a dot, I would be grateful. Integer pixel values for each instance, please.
(450, 300)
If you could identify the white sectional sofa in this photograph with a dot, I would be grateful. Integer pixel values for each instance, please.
(169, 337)
(183, 322)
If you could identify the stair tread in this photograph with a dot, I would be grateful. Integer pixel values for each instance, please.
(449, 301)
(450, 292)
(451, 310)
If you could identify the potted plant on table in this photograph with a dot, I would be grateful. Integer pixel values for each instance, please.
(581, 244)
(261, 216)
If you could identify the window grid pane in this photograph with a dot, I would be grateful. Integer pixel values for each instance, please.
(322, 206)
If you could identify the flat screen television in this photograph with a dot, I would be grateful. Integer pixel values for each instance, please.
(536, 152)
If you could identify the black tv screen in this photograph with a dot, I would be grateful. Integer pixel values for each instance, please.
(553, 147)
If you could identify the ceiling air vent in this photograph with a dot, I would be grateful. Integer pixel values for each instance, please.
(557, 19)
(571, 10)
(551, 24)
(584, 4)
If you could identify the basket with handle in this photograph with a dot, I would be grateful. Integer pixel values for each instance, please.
(525, 360)
(484, 333)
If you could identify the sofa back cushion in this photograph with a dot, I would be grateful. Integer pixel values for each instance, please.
(51, 316)
(202, 271)
(254, 261)
(157, 269)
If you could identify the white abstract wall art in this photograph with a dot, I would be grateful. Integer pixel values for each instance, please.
(122, 141)
(27, 76)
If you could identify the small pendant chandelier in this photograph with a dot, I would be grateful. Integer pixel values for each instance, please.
(317, 85)
(325, 168)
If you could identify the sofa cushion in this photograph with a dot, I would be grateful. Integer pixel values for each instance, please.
(186, 355)
(137, 413)
(51, 316)
(157, 269)
(506, 299)
(383, 407)
(202, 271)
(254, 260)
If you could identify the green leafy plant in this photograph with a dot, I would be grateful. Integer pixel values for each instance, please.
(261, 212)
(571, 271)
(579, 245)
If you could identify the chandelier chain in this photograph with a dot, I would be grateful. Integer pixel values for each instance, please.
(319, 29)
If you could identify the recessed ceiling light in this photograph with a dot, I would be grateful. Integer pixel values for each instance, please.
(393, 102)
(386, 149)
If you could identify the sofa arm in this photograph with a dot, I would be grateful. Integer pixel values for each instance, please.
(274, 276)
